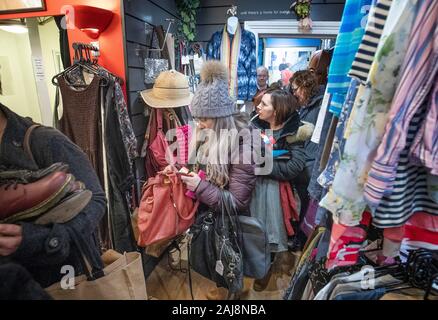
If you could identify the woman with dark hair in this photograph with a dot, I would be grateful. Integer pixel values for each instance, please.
(282, 131)
(305, 87)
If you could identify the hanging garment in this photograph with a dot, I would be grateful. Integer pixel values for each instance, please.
(118, 140)
(238, 52)
(370, 41)
(314, 188)
(347, 42)
(420, 231)
(346, 241)
(424, 150)
(80, 120)
(289, 206)
(270, 213)
(121, 150)
(418, 75)
(409, 192)
(368, 118)
(337, 150)
(125, 125)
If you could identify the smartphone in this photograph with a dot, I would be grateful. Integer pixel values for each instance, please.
(183, 174)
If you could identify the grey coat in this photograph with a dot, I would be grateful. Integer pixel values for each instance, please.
(45, 249)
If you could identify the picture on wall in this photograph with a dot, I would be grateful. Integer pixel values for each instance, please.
(6, 87)
(12, 6)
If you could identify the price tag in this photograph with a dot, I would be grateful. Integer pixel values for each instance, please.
(185, 60)
(219, 267)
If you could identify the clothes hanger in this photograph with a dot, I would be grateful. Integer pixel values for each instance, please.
(431, 288)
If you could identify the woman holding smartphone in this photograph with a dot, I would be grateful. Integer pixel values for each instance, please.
(226, 162)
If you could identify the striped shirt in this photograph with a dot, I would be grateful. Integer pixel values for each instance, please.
(348, 40)
(420, 231)
(424, 151)
(409, 194)
(418, 74)
(370, 41)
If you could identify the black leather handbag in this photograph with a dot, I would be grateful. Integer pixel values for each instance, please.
(214, 250)
(213, 234)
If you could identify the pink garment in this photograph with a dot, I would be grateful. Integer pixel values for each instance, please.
(421, 228)
(346, 241)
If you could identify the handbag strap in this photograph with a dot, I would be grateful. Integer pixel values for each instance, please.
(229, 208)
(175, 118)
(159, 114)
(91, 270)
(26, 142)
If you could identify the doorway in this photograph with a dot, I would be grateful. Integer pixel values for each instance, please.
(30, 55)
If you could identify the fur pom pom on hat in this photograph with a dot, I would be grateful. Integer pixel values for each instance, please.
(211, 99)
(213, 70)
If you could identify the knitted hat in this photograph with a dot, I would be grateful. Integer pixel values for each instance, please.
(211, 99)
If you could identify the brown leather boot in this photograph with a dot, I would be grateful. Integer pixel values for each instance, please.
(261, 284)
(20, 201)
(217, 294)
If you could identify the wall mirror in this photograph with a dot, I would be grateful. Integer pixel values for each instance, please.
(14, 6)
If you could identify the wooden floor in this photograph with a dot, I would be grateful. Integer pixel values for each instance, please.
(170, 281)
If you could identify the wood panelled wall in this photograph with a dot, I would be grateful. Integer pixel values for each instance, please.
(212, 15)
(138, 13)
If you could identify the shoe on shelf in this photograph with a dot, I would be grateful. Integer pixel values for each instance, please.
(21, 201)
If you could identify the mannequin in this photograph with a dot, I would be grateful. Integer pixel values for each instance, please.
(236, 48)
(232, 23)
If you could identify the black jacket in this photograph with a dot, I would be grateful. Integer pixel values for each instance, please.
(291, 137)
(310, 114)
(45, 249)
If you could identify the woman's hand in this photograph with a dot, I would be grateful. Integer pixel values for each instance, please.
(169, 169)
(191, 181)
(11, 236)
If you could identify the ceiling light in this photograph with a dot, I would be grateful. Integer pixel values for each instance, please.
(14, 29)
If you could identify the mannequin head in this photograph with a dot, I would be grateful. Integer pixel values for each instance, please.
(232, 23)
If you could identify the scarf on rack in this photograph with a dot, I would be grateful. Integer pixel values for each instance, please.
(230, 57)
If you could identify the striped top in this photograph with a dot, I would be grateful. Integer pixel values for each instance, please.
(365, 54)
(410, 194)
(348, 40)
(417, 78)
(424, 150)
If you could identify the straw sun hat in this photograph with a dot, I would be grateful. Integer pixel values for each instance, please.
(171, 90)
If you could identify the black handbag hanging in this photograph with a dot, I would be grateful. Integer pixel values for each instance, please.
(214, 250)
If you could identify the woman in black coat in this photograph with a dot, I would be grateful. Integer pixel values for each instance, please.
(283, 132)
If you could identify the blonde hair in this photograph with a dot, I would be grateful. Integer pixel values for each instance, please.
(212, 151)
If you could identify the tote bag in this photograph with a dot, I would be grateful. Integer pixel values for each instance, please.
(123, 280)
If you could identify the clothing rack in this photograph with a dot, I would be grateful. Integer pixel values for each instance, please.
(83, 51)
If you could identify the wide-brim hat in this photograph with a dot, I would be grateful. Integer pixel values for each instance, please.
(171, 90)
